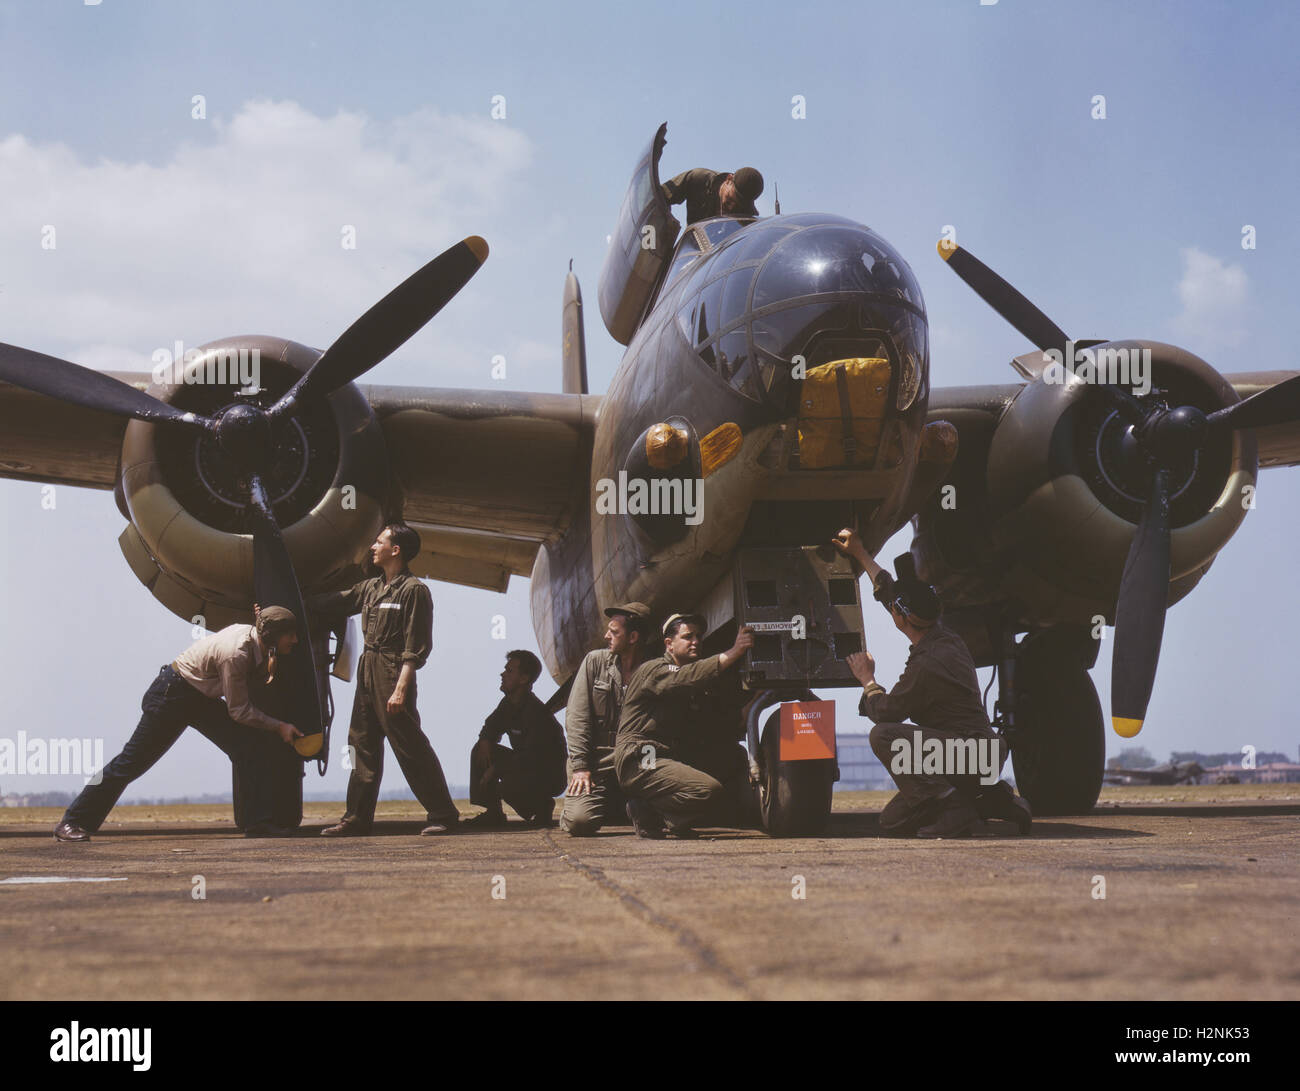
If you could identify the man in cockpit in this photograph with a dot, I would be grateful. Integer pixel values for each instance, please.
(710, 193)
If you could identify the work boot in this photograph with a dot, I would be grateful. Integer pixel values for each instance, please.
(66, 831)
(957, 819)
(1001, 801)
(488, 820)
(645, 820)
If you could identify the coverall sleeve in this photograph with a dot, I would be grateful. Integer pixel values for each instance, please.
(692, 676)
(418, 626)
(678, 189)
(336, 603)
(577, 720)
(898, 704)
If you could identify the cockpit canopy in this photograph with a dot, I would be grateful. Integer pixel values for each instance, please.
(753, 295)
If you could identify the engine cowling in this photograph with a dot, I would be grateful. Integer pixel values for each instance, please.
(189, 539)
(1065, 495)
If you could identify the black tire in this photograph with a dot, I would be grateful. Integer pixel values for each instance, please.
(794, 796)
(1058, 750)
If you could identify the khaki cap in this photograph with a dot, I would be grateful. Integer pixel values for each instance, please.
(632, 609)
(696, 619)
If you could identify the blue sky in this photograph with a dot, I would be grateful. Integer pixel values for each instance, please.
(918, 115)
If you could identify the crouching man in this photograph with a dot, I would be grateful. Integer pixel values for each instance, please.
(529, 773)
(594, 798)
(188, 692)
(939, 693)
(667, 796)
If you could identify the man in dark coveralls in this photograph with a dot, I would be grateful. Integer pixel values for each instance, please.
(710, 193)
(529, 773)
(397, 622)
(666, 795)
(591, 720)
(939, 692)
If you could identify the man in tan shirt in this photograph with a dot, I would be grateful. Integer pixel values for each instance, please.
(189, 691)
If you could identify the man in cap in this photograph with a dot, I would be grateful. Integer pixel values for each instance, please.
(667, 796)
(939, 693)
(188, 692)
(397, 623)
(710, 193)
(529, 773)
(591, 720)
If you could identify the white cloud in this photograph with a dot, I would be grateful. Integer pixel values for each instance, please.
(1215, 299)
(240, 232)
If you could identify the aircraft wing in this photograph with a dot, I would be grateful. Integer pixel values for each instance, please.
(975, 410)
(485, 476)
(43, 439)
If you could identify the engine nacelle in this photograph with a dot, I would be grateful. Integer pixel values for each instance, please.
(1064, 501)
(189, 539)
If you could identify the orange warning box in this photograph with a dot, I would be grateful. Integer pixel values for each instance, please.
(807, 730)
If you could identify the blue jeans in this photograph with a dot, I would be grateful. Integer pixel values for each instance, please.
(169, 706)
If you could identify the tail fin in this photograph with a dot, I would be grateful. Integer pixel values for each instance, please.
(574, 347)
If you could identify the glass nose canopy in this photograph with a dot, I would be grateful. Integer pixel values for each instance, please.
(807, 285)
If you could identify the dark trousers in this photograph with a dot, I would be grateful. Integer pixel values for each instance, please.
(919, 797)
(681, 793)
(526, 790)
(170, 705)
(371, 724)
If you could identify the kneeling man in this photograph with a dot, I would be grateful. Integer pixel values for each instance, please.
(667, 796)
(940, 694)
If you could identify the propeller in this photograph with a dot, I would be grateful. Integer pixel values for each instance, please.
(244, 432)
(1159, 440)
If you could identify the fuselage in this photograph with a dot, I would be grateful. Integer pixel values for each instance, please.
(745, 310)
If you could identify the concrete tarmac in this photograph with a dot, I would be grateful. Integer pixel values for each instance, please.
(1201, 902)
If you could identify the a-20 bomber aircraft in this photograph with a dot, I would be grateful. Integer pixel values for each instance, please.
(775, 388)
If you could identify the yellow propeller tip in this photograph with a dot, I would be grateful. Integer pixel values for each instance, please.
(1125, 728)
(479, 247)
(947, 248)
(309, 745)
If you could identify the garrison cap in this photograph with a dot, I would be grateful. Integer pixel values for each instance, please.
(694, 619)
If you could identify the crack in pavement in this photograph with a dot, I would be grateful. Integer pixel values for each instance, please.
(684, 936)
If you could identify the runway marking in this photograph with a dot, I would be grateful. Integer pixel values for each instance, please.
(17, 879)
(683, 935)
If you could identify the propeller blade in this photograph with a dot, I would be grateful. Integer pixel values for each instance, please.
(1140, 613)
(1003, 298)
(1278, 404)
(390, 323)
(276, 584)
(86, 387)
